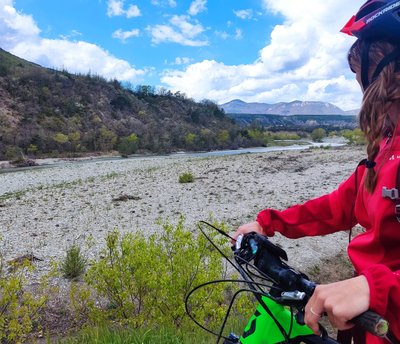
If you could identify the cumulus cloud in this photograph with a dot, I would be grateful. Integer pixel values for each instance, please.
(124, 35)
(305, 58)
(116, 8)
(180, 30)
(197, 6)
(182, 61)
(133, 11)
(20, 35)
(15, 26)
(78, 57)
(244, 14)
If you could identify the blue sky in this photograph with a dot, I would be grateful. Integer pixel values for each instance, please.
(256, 50)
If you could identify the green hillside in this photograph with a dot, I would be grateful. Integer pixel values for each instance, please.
(45, 112)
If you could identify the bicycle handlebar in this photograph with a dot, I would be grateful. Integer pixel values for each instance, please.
(268, 259)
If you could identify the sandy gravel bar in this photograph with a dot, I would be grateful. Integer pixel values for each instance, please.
(43, 211)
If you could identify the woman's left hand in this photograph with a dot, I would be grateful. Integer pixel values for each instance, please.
(341, 301)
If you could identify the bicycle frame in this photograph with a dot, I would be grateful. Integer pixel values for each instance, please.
(262, 328)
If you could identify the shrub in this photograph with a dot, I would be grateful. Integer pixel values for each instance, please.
(19, 308)
(318, 134)
(128, 145)
(146, 279)
(186, 177)
(74, 263)
(355, 136)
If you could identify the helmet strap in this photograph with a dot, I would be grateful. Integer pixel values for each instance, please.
(365, 64)
(385, 61)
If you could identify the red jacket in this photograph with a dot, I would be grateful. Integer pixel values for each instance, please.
(374, 253)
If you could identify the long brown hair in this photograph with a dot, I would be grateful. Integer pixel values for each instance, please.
(382, 92)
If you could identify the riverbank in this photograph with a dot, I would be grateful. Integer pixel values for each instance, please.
(44, 211)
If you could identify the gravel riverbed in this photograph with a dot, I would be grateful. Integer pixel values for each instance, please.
(44, 210)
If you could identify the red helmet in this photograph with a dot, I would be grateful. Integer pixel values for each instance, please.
(376, 19)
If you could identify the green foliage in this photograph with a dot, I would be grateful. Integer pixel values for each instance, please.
(61, 113)
(122, 335)
(60, 138)
(12, 153)
(147, 278)
(106, 139)
(32, 149)
(186, 177)
(74, 263)
(74, 136)
(355, 136)
(19, 308)
(190, 139)
(128, 145)
(284, 135)
(258, 135)
(223, 136)
(318, 134)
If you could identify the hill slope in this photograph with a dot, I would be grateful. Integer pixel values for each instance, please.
(44, 111)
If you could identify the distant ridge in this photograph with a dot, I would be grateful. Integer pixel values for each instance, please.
(296, 107)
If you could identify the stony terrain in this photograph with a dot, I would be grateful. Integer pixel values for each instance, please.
(44, 210)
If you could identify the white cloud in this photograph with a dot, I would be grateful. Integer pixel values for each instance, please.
(133, 11)
(237, 35)
(77, 57)
(305, 58)
(182, 60)
(222, 34)
(15, 26)
(244, 14)
(170, 3)
(124, 35)
(197, 6)
(116, 8)
(180, 31)
(20, 35)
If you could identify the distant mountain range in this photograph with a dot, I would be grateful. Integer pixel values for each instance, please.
(296, 107)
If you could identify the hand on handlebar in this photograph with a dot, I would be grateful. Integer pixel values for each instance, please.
(342, 301)
(247, 228)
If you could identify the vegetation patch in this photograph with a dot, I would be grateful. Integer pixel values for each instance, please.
(186, 177)
(74, 263)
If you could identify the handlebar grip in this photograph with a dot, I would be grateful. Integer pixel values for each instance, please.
(373, 323)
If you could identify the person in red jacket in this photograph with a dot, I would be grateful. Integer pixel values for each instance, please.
(370, 196)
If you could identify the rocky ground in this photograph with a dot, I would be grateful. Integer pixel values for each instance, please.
(44, 210)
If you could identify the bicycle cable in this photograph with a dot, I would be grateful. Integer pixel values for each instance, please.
(247, 275)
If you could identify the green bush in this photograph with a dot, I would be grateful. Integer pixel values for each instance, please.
(355, 136)
(74, 263)
(19, 308)
(146, 279)
(318, 134)
(186, 177)
(128, 145)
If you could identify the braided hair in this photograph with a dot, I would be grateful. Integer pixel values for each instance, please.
(382, 92)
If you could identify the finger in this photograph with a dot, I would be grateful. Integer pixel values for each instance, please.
(311, 319)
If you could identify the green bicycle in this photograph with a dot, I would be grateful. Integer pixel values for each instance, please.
(281, 293)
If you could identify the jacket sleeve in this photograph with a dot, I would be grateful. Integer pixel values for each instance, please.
(319, 216)
(384, 285)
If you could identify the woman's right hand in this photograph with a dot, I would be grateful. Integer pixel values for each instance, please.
(247, 228)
